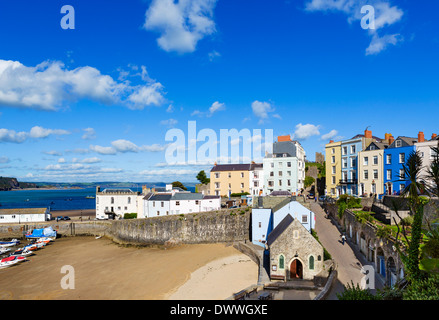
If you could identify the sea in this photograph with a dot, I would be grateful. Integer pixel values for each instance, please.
(56, 199)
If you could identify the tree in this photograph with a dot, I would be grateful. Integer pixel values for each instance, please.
(201, 176)
(416, 187)
(309, 181)
(178, 184)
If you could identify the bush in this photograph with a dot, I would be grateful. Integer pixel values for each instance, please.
(424, 289)
(362, 217)
(130, 216)
(356, 293)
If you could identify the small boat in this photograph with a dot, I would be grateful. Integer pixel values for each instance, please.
(90, 197)
(11, 243)
(23, 252)
(9, 261)
(4, 250)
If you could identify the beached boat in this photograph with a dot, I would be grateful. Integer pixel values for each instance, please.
(23, 252)
(11, 243)
(9, 261)
(90, 197)
(42, 233)
(4, 250)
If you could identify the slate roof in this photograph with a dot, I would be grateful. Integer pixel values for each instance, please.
(161, 197)
(280, 228)
(407, 141)
(287, 147)
(379, 145)
(236, 167)
(187, 196)
(23, 211)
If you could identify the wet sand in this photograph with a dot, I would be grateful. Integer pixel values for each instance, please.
(106, 271)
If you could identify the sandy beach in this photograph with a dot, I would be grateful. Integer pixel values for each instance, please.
(106, 271)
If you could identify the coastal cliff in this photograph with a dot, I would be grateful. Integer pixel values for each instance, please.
(7, 184)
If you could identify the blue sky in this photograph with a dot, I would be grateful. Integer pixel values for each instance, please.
(95, 102)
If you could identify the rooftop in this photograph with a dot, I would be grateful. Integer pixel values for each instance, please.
(23, 211)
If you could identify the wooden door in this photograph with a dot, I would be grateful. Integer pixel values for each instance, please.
(296, 269)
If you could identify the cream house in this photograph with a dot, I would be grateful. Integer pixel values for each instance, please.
(226, 179)
(333, 168)
(371, 169)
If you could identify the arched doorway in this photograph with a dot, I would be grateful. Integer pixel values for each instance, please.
(296, 269)
(391, 272)
(380, 262)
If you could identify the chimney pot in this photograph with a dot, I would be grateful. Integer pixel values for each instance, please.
(434, 135)
(421, 137)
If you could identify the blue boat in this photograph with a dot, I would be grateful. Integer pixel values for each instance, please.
(40, 233)
(11, 243)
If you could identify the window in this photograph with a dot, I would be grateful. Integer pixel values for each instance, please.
(333, 159)
(153, 204)
(353, 149)
(281, 262)
(402, 158)
(280, 183)
(272, 164)
(433, 154)
(398, 143)
(333, 150)
(217, 185)
(389, 174)
(345, 151)
(333, 170)
(304, 218)
(217, 175)
(197, 202)
(242, 185)
(353, 162)
(280, 173)
(401, 174)
(158, 213)
(242, 174)
(260, 224)
(125, 208)
(271, 174)
(280, 164)
(112, 200)
(162, 204)
(366, 161)
(333, 179)
(345, 163)
(289, 173)
(311, 263)
(270, 183)
(230, 174)
(129, 200)
(366, 174)
(289, 164)
(375, 160)
(389, 159)
(375, 174)
(177, 203)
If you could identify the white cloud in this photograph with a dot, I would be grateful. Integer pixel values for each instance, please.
(61, 160)
(49, 86)
(36, 132)
(40, 132)
(261, 110)
(385, 15)
(89, 134)
(180, 24)
(215, 107)
(7, 135)
(331, 134)
(378, 43)
(213, 55)
(170, 122)
(305, 131)
(124, 146)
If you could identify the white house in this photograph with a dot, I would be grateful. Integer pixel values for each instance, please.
(256, 176)
(25, 215)
(284, 169)
(163, 204)
(115, 201)
(265, 220)
(427, 153)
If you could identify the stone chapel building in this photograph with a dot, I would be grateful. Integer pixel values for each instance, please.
(294, 253)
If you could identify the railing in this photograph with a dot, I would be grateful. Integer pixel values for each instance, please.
(348, 181)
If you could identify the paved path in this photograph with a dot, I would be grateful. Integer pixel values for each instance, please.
(348, 258)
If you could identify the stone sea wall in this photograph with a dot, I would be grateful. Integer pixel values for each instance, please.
(210, 227)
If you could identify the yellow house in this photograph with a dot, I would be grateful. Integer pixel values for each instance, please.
(333, 168)
(226, 179)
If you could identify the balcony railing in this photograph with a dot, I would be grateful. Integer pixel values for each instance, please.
(348, 181)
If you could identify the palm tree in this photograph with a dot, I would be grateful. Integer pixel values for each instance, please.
(413, 190)
(433, 172)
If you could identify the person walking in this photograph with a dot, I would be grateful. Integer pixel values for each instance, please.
(343, 239)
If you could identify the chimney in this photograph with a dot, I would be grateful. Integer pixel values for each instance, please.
(331, 141)
(368, 134)
(144, 189)
(421, 136)
(98, 189)
(283, 138)
(434, 135)
(391, 139)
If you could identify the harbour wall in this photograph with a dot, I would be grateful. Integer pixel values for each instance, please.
(208, 227)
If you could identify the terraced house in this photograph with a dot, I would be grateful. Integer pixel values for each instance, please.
(226, 179)
(371, 167)
(333, 168)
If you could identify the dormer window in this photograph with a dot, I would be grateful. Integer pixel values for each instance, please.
(398, 143)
